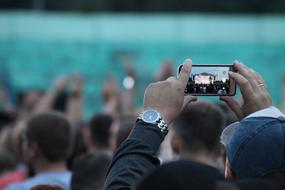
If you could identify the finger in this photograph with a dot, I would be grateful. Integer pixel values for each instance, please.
(170, 79)
(262, 88)
(233, 104)
(245, 86)
(246, 73)
(260, 79)
(185, 73)
(189, 99)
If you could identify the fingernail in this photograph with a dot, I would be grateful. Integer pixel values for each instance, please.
(236, 61)
(187, 64)
(230, 72)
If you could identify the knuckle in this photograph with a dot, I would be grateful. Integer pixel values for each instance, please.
(244, 82)
(151, 85)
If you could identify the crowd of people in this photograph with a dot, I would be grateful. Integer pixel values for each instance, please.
(172, 141)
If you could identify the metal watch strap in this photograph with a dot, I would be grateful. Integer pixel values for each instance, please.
(161, 124)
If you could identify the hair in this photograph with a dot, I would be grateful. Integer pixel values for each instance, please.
(256, 184)
(60, 102)
(181, 175)
(223, 185)
(52, 132)
(199, 126)
(230, 116)
(7, 118)
(47, 187)
(89, 171)
(100, 126)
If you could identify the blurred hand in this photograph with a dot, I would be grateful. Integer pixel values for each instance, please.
(167, 96)
(188, 99)
(110, 90)
(77, 83)
(61, 83)
(255, 95)
(165, 71)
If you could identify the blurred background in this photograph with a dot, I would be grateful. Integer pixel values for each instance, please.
(43, 40)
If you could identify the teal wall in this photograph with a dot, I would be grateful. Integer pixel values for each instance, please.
(38, 47)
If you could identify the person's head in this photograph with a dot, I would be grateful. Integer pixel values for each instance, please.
(256, 184)
(48, 138)
(182, 175)
(99, 130)
(47, 187)
(197, 130)
(255, 148)
(228, 113)
(89, 171)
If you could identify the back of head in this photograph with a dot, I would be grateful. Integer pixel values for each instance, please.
(52, 133)
(47, 187)
(181, 175)
(199, 126)
(256, 184)
(230, 116)
(256, 148)
(89, 171)
(100, 128)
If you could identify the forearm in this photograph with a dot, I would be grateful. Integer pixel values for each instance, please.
(45, 102)
(74, 108)
(135, 157)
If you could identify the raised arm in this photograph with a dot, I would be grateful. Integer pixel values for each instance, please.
(48, 99)
(136, 156)
(75, 100)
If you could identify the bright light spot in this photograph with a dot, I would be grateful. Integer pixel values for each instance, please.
(128, 82)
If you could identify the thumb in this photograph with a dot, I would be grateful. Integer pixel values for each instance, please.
(185, 72)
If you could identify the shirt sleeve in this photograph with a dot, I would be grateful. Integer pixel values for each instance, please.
(135, 157)
(267, 112)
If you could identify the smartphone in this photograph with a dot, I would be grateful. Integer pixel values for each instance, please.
(210, 80)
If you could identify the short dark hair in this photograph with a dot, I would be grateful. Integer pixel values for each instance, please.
(89, 171)
(257, 184)
(52, 132)
(199, 126)
(47, 187)
(182, 174)
(100, 126)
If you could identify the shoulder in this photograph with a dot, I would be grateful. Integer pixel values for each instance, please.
(62, 179)
(17, 186)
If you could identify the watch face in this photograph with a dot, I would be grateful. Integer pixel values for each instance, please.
(150, 116)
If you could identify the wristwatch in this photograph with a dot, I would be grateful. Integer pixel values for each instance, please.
(153, 117)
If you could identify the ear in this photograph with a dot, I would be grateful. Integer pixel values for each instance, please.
(229, 173)
(175, 143)
(32, 151)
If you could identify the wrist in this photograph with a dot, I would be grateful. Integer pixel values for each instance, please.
(152, 116)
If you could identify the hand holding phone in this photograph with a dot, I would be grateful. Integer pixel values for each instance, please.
(210, 80)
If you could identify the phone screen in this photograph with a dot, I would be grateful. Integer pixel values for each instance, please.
(210, 80)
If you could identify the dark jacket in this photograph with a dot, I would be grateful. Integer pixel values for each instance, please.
(135, 157)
